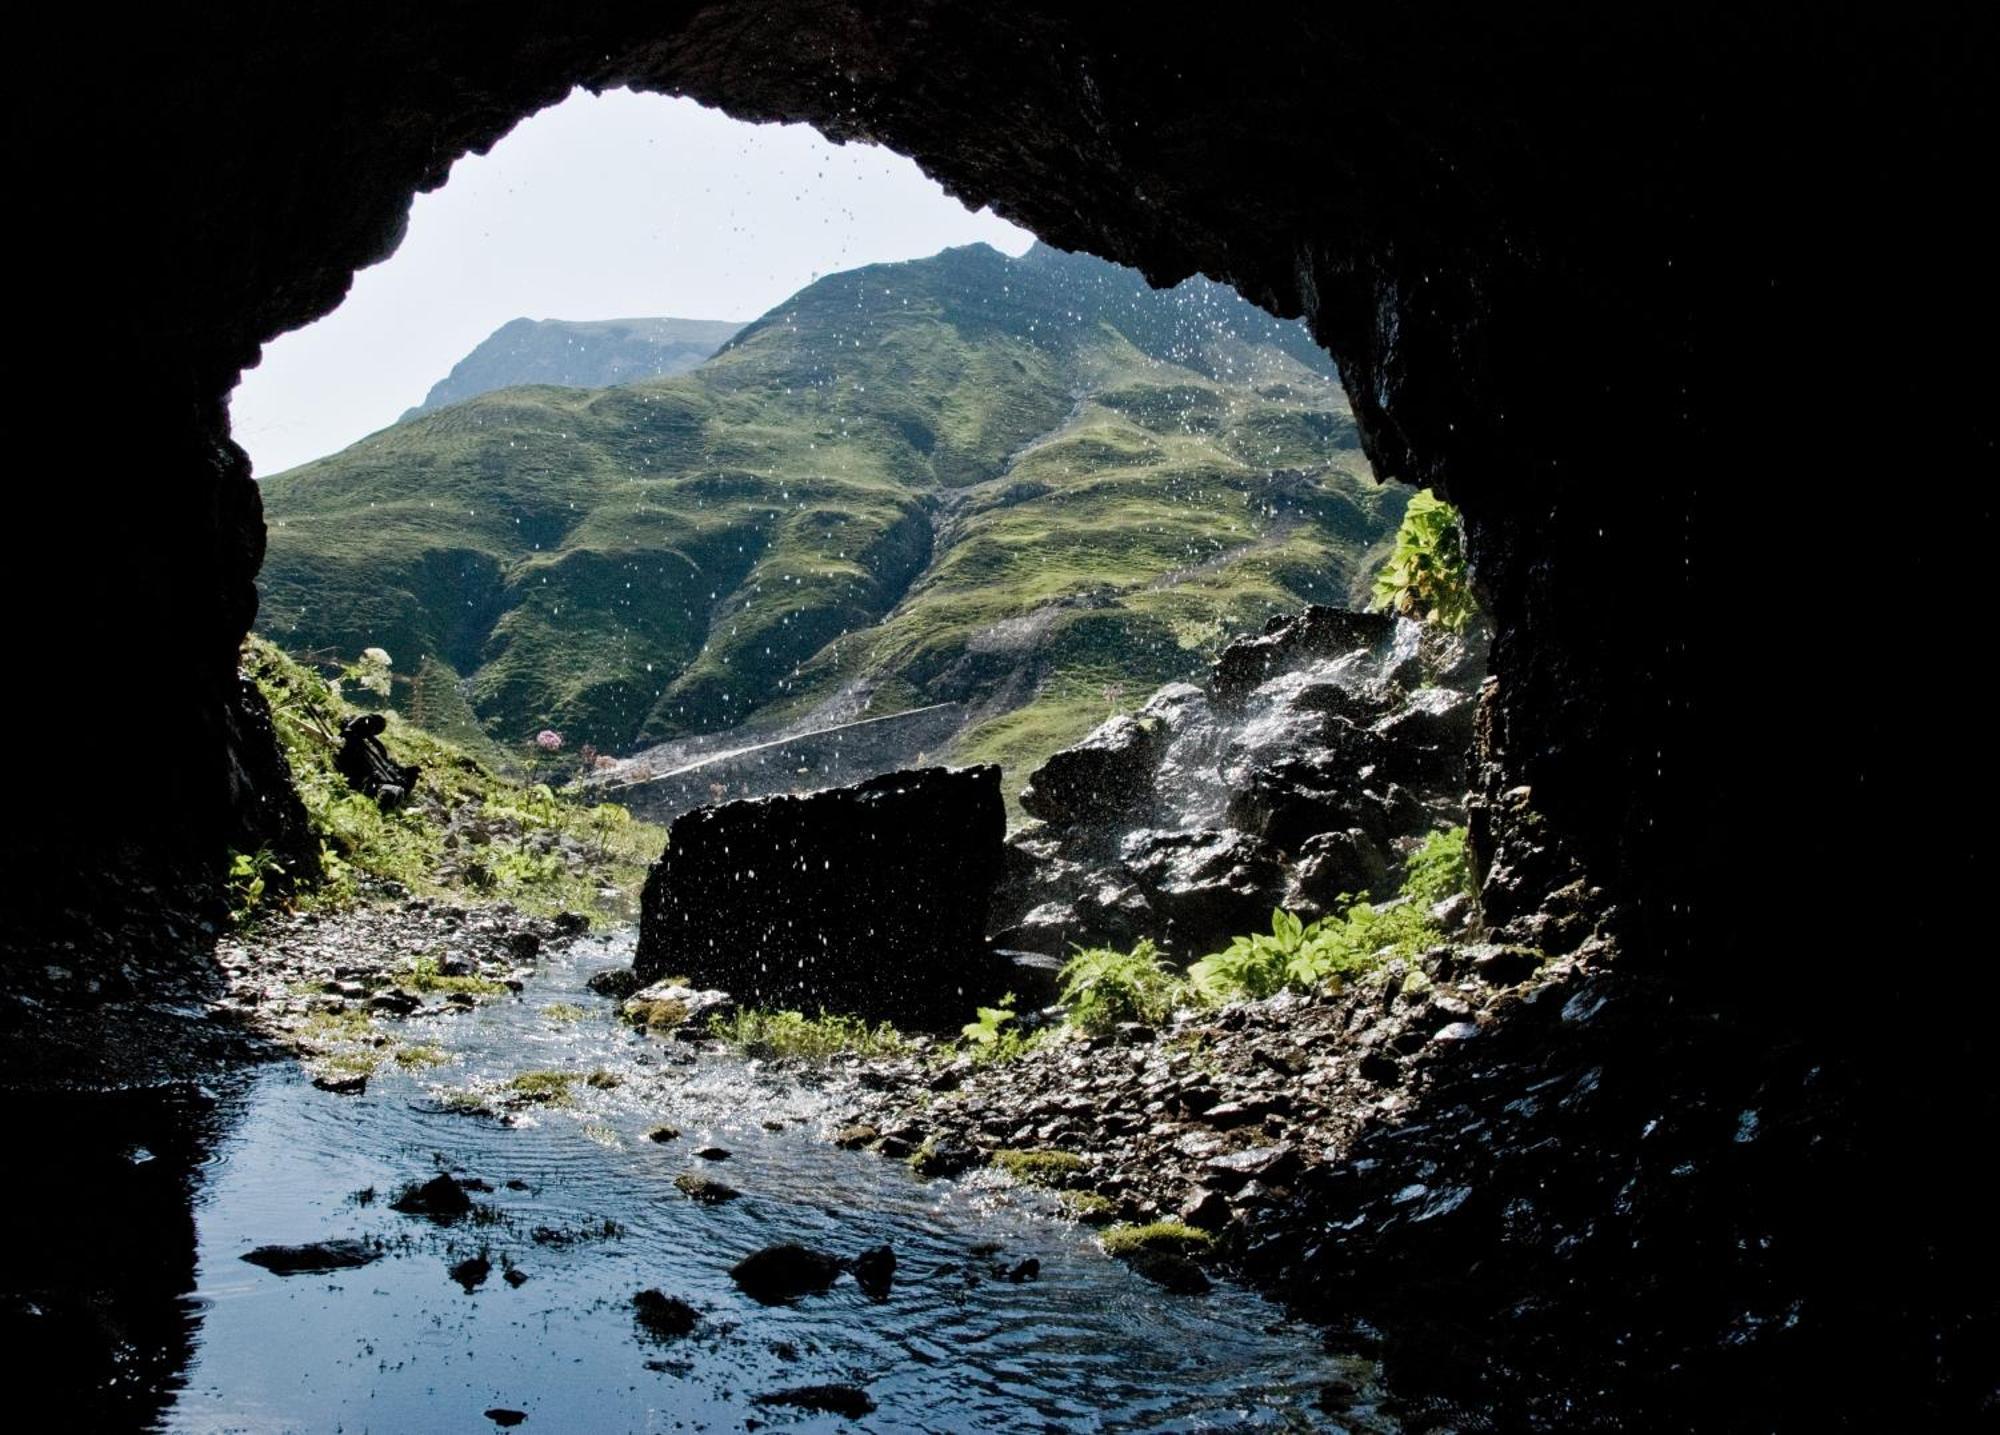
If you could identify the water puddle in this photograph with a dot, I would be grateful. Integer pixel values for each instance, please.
(583, 1213)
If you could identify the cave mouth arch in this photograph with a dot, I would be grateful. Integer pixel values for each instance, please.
(1627, 285)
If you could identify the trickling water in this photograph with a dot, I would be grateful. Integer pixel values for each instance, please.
(399, 1346)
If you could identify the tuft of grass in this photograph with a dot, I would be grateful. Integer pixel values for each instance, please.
(1161, 1237)
(792, 1035)
(350, 1024)
(422, 975)
(1039, 1168)
(551, 1088)
(563, 1012)
(664, 1014)
(416, 1057)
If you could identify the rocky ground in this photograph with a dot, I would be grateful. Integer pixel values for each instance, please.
(315, 981)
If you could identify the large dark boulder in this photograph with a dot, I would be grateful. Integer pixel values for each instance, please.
(869, 899)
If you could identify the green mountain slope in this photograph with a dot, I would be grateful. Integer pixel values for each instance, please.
(1010, 483)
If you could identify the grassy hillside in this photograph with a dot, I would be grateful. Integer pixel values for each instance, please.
(1011, 482)
(467, 831)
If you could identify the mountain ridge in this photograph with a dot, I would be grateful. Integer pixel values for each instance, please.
(1017, 484)
(578, 354)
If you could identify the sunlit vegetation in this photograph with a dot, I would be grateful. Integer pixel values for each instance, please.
(1427, 576)
(467, 831)
(1103, 988)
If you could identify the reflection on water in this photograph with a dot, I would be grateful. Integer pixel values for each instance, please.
(583, 1213)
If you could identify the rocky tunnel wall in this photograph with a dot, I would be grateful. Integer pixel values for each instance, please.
(1678, 304)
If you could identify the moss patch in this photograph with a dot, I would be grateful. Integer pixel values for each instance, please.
(1162, 1237)
(1039, 1168)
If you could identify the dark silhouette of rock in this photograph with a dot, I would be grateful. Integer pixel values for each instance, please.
(367, 766)
(441, 1198)
(662, 1316)
(471, 1273)
(785, 1272)
(1107, 776)
(869, 899)
(315, 1258)
(874, 1270)
(847, 1400)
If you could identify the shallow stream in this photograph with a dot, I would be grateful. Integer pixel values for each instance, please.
(584, 1209)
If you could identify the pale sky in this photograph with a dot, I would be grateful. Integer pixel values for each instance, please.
(603, 207)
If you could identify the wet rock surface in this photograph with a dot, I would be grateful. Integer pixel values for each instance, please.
(1318, 752)
(871, 899)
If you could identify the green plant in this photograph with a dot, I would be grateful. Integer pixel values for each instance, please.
(1438, 869)
(1304, 956)
(1102, 987)
(251, 875)
(422, 975)
(996, 1035)
(1427, 576)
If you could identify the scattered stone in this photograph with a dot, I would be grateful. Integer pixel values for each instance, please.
(614, 982)
(515, 1277)
(506, 1419)
(874, 1270)
(705, 1189)
(440, 1198)
(662, 1316)
(1026, 1270)
(784, 1272)
(1168, 1271)
(342, 1083)
(852, 1138)
(713, 1153)
(844, 1400)
(472, 1272)
(664, 1133)
(315, 1258)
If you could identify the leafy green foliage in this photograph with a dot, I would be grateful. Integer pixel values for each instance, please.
(1102, 987)
(251, 877)
(1427, 576)
(467, 828)
(795, 1036)
(1439, 868)
(1350, 941)
(1307, 956)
